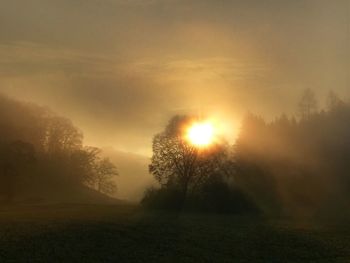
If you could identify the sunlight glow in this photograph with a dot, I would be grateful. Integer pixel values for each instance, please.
(201, 134)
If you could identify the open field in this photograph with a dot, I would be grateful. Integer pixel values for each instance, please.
(125, 233)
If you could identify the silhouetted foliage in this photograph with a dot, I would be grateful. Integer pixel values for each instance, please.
(185, 172)
(297, 167)
(308, 104)
(105, 171)
(169, 198)
(40, 151)
(177, 162)
(288, 166)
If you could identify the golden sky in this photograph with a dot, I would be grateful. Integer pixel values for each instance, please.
(120, 68)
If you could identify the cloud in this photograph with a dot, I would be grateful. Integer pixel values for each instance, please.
(19, 58)
(120, 69)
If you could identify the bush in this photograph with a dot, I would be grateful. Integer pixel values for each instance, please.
(214, 196)
(163, 198)
(218, 196)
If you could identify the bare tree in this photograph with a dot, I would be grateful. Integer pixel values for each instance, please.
(333, 101)
(176, 162)
(62, 136)
(105, 171)
(308, 104)
(83, 164)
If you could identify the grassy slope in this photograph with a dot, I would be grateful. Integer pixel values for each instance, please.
(92, 233)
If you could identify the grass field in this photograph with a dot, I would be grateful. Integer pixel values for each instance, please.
(125, 233)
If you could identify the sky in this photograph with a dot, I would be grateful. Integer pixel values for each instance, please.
(121, 68)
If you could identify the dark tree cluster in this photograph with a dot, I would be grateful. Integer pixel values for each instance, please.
(295, 166)
(42, 154)
(192, 177)
(298, 167)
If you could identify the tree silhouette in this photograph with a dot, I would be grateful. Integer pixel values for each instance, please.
(333, 101)
(62, 136)
(307, 104)
(105, 170)
(177, 163)
(61, 164)
(82, 164)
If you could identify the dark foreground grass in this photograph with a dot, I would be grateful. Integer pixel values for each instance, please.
(76, 233)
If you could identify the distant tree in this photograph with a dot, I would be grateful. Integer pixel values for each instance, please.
(83, 164)
(296, 167)
(307, 104)
(62, 136)
(333, 101)
(61, 160)
(177, 163)
(252, 134)
(105, 171)
(254, 151)
(87, 166)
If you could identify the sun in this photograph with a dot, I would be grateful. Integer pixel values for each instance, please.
(201, 134)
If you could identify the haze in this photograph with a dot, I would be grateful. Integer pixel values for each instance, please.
(120, 69)
(174, 130)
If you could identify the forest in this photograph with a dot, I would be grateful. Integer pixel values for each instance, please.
(292, 166)
(43, 159)
(279, 194)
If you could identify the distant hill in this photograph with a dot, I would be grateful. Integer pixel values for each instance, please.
(133, 176)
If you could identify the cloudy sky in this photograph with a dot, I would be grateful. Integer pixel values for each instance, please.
(120, 68)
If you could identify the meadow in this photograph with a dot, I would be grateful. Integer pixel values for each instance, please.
(127, 233)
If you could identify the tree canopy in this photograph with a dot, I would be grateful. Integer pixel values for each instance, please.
(39, 149)
(188, 173)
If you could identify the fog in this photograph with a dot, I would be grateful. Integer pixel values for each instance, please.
(174, 130)
(120, 69)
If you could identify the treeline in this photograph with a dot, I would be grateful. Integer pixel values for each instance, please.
(42, 154)
(296, 166)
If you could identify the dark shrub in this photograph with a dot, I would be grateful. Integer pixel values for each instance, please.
(214, 196)
(218, 196)
(163, 198)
